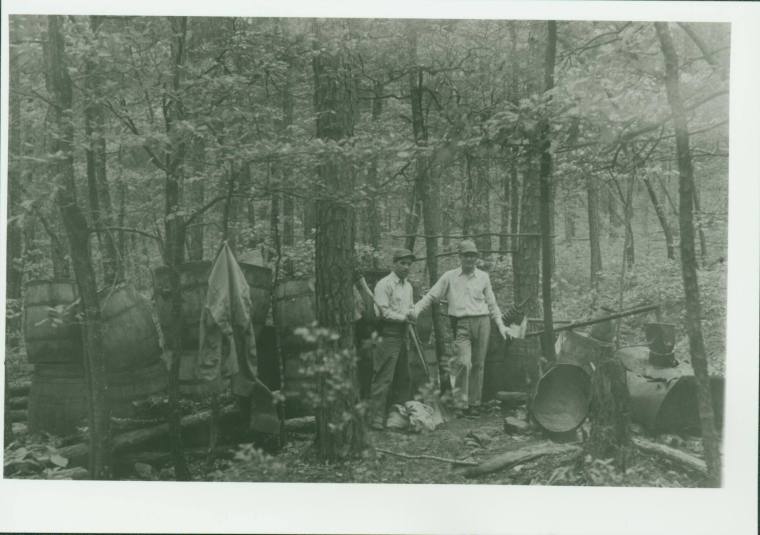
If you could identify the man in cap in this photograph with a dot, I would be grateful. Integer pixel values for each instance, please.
(391, 380)
(471, 301)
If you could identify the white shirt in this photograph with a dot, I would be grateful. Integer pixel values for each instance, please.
(394, 297)
(467, 295)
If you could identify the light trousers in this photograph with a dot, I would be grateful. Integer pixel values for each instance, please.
(471, 335)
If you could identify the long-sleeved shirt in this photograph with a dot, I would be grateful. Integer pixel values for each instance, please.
(394, 297)
(467, 295)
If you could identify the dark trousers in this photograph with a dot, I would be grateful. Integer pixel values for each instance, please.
(391, 379)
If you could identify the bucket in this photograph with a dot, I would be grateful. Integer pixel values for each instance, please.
(661, 339)
(671, 405)
(193, 278)
(562, 398)
(51, 337)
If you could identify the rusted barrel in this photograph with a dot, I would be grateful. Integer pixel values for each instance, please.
(51, 330)
(193, 277)
(507, 364)
(294, 304)
(562, 398)
(671, 406)
(58, 394)
(563, 394)
(130, 337)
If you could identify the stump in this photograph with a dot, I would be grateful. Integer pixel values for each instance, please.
(609, 413)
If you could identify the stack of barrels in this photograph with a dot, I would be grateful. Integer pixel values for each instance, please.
(193, 279)
(54, 344)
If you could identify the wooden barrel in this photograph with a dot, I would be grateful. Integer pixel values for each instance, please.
(193, 278)
(294, 304)
(58, 394)
(130, 337)
(192, 387)
(52, 336)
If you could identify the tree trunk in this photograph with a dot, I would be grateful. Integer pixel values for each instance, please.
(60, 88)
(13, 269)
(688, 257)
(95, 129)
(373, 212)
(525, 261)
(595, 250)
(428, 184)
(630, 255)
(663, 218)
(174, 232)
(547, 201)
(609, 413)
(334, 253)
(197, 192)
(288, 222)
(700, 229)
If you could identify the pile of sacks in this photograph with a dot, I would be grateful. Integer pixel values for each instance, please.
(414, 416)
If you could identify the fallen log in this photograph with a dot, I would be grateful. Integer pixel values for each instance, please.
(674, 455)
(429, 457)
(77, 453)
(18, 403)
(76, 472)
(519, 456)
(19, 389)
(304, 424)
(512, 398)
(17, 415)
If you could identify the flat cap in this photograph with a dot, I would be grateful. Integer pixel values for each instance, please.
(398, 254)
(467, 246)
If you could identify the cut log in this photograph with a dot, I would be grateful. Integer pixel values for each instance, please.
(19, 389)
(77, 453)
(18, 403)
(304, 424)
(681, 458)
(512, 398)
(17, 415)
(515, 425)
(429, 457)
(519, 456)
(71, 473)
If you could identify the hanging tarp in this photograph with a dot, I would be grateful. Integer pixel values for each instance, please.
(227, 341)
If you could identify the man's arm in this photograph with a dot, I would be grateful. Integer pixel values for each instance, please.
(383, 301)
(493, 307)
(434, 295)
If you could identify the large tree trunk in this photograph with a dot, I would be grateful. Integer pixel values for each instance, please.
(373, 211)
(663, 218)
(101, 209)
(526, 260)
(60, 88)
(174, 232)
(288, 207)
(547, 202)
(13, 269)
(688, 257)
(197, 194)
(334, 252)
(595, 250)
(429, 185)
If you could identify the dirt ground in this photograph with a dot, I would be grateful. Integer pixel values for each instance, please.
(474, 439)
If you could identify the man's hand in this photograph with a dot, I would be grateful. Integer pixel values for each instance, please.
(503, 332)
(410, 317)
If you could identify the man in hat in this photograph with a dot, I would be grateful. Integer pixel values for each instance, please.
(471, 301)
(391, 380)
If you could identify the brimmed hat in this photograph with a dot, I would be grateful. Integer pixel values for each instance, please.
(398, 254)
(467, 246)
